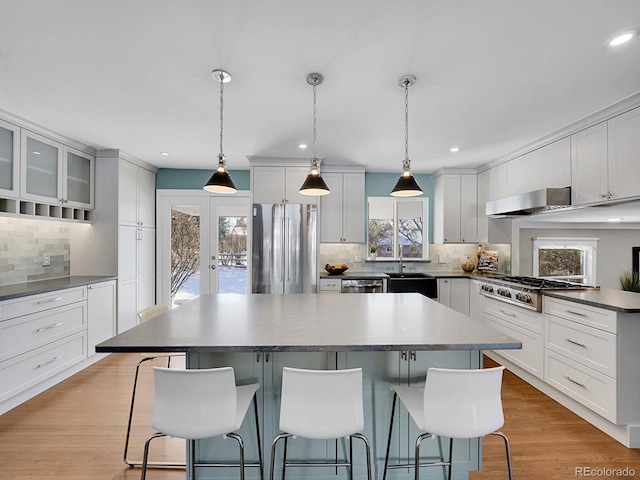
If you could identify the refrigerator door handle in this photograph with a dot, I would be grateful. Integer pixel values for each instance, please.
(287, 244)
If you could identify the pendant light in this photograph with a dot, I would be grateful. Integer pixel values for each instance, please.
(220, 181)
(407, 185)
(314, 184)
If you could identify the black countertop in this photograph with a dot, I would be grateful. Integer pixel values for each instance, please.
(17, 290)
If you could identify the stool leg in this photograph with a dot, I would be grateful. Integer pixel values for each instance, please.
(238, 439)
(368, 452)
(145, 457)
(273, 452)
(386, 457)
(508, 452)
(450, 457)
(255, 410)
(133, 401)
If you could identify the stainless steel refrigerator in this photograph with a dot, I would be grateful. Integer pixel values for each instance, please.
(284, 248)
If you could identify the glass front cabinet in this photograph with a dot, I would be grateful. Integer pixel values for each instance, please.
(55, 173)
(9, 170)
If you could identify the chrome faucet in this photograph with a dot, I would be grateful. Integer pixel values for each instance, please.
(400, 265)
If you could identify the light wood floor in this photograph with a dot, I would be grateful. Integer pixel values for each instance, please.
(75, 431)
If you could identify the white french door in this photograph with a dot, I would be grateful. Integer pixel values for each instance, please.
(203, 241)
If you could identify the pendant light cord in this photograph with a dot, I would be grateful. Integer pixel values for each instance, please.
(406, 120)
(315, 88)
(221, 110)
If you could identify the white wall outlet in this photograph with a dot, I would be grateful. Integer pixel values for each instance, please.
(442, 259)
(358, 259)
(46, 260)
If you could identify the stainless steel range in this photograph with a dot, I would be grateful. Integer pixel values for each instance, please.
(525, 291)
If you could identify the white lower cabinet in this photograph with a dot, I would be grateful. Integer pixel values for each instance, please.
(591, 356)
(47, 337)
(525, 326)
(454, 293)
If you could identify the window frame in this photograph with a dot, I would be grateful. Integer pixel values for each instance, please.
(589, 245)
(425, 226)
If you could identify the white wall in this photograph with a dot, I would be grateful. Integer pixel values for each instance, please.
(614, 250)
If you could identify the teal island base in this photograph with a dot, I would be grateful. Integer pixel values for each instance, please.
(380, 369)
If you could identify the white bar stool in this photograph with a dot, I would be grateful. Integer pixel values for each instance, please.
(324, 405)
(453, 403)
(143, 316)
(202, 403)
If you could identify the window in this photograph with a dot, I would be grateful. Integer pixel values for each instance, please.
(397, 227)
(570, 259)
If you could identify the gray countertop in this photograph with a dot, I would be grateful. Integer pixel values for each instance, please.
(309, 322)
(355, 275)
(9, 292)
(606, 298)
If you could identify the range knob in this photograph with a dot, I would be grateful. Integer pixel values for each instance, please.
(504, 292)
(487, 288)
(523, 297)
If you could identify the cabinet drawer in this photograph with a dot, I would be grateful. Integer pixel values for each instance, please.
(585, 314)
(330, 284)
(22, 334)
(519, 316)
(38, 303)
(24, 371)
(586, 345)
(531, 355)
(592, 389)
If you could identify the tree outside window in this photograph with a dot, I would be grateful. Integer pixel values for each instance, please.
(397, 227)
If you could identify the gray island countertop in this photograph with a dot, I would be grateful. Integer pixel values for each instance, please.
(309, 322)
(606, 298)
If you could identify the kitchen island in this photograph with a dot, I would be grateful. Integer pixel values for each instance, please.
(394, 338)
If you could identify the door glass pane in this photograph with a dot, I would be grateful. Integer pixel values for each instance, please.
(232, 249)
(78, 178)
(42, 168)
(6, 159)
(185, 253)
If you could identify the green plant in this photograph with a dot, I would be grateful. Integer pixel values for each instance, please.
(630, 281)
(373, 249)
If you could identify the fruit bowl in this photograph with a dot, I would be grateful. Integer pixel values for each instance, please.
(335, 269)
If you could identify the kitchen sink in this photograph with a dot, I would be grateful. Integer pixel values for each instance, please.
(413, 282)
(409, 275)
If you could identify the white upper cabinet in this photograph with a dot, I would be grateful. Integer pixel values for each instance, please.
(624, 155)
(54, 173)
(342, 211)
(483, 198)
(546, 167)
(604, 160)
(9, 166)
(497, 183)
(136, 195)
(278, 184)
(455, 209)
(589, 177)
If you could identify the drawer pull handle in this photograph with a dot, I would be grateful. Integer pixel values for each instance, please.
(51, 300)
(573, 381)
(48, 327)
(576, 313)
(509, 314)
(40, 365)
(576, 343)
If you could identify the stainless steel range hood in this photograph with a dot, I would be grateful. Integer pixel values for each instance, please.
(544, 200)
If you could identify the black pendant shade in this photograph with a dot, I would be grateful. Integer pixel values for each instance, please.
(314, 185)
(220, 181)
(406, 186)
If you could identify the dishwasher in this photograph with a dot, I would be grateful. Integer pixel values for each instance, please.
(363, 285)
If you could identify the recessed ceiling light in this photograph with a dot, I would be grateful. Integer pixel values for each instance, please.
(166, 154)
(619, 219)
(302, 146)
(36, 153)
(622, 38)
(455, 149)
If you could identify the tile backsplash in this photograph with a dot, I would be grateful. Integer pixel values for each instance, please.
(23, 242)
(445, 258)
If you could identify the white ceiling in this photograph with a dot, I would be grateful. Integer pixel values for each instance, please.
(493, 75)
